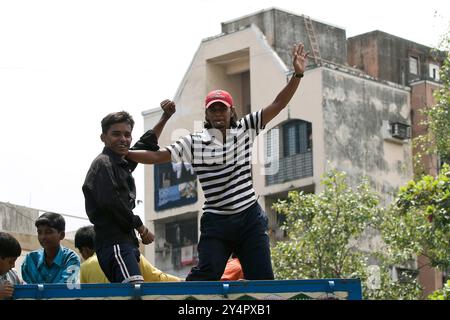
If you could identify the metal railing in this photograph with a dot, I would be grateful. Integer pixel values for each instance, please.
(291, 168)
(341, 289)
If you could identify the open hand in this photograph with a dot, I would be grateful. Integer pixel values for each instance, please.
(300, 57)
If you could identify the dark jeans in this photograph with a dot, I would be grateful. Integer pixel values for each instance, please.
(244, 234)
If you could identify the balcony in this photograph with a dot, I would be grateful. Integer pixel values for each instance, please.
(290, 168)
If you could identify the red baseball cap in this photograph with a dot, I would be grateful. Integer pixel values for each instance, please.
(219, 96)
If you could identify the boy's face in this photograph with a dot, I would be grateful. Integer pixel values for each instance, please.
(48, 237)
(7, 264)
(118, 138)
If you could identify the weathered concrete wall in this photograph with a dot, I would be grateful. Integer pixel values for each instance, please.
(362, 53)
(283, 29)
(264, 20)
(392, 56)
(17, 218)
(19, 222)
(354, 110)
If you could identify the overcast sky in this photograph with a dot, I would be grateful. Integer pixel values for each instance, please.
(64, 65)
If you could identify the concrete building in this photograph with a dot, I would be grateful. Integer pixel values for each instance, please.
(341, 117)
(407, 63)
(416, 66)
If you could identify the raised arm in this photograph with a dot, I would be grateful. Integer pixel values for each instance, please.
(169, 109)
(149, 157)
(149, 140)
(299, 62)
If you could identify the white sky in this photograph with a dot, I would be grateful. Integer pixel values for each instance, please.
(64, 65)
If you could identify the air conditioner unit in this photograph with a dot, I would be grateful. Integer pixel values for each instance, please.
(400, 131)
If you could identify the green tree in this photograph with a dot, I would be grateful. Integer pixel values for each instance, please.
(322, 238)
(423, 206)
(419, 220)
(443, 294)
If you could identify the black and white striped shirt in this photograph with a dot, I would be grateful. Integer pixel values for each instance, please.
(224, 170)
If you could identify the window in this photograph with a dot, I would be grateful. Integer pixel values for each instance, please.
(182, 237)
(296, 137)
(288, 152)
(434, 71)
(272, 144)
(413, 65)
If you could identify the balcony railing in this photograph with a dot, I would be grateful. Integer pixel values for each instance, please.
(290, 168)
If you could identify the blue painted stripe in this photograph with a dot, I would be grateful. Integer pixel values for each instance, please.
(58, 291)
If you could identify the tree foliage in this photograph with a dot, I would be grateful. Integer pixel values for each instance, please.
(323, 229)
(428, 198)
(443, 294)
(323, 232)
(419, 220)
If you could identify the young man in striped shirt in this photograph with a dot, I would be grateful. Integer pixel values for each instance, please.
(232, 219)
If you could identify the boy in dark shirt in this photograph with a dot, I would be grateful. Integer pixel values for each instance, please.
(110, 195)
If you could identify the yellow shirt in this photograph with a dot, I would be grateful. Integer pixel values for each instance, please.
(90, 272)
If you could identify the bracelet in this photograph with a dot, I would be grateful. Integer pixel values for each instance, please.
(298, 75)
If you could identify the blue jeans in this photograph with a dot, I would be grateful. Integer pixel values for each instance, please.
(244, 234)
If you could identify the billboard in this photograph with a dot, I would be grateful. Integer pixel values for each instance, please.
(175, 185)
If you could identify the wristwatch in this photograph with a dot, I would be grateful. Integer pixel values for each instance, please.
(298, 75)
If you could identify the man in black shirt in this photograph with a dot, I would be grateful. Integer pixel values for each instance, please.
(110, 195)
